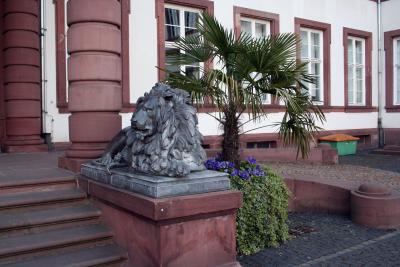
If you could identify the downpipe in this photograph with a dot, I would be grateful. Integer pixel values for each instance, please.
(381, 133)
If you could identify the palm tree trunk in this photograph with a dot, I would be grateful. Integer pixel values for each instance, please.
(230, 141)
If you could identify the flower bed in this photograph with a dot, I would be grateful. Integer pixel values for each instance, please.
(262, 221)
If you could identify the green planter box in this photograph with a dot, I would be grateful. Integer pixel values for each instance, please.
(343, 147)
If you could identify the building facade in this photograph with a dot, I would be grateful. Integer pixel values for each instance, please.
(72, 70)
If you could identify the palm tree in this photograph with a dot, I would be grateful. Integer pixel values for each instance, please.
(247, 69)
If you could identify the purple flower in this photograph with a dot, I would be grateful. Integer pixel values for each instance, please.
(244, 175)
(249, 168)
(235, 172)
(251, 160)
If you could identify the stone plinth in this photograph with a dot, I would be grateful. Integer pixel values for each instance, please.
(158, 186)
(375, 206)
(193, 230)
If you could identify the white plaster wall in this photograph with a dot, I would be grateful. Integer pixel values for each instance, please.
(142, 47)
(53, 122)
(357, 14)
(339, 14)
(390, 21)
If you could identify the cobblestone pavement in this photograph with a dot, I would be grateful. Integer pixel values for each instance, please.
(363, 167)
(375, 161)
(336, 241)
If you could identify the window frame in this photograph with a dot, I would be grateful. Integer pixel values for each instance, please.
(253, 22)
(367, 36)
(325, 28)
(169, 44)
(355, 66)
(396, 68)
(254, 16)
(265, 98)
(310, 60)
(390, 56)
(202, 5)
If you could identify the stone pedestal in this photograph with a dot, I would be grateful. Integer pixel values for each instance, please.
(158, 186)
(196, 230)
(375, 206)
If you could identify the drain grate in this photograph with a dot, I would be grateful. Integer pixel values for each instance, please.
(301, 230)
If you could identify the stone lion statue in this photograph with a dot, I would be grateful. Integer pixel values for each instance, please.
(163, 138)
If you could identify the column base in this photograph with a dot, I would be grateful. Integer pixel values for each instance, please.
(71, 164)
(25, 148)
(192, 230)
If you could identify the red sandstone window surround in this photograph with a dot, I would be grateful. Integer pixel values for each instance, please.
(202, 5)
(392, 66)
(240, 13)
(323, 62)
(61, 64)
(354, 39)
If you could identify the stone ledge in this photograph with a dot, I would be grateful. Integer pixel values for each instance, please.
(162, 208)
(158, 186)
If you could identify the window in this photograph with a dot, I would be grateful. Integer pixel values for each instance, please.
(257, 24)
(356, 71)
(261, 144)
(357, 48)
(392, 70)
(176, 18)
(315, 48)
(255, 28)
(180, 22)
(311, 52)
(396, 70)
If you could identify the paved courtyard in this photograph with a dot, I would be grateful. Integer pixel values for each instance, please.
(333, 240)
(363, 167)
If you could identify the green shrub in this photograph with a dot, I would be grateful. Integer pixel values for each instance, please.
(262, 221)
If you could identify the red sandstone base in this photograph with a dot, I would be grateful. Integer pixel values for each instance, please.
(25, 148)
(371, 205)
(71, 164)
(195, 230)
(375, 206)
(320, 195)
(321, 154)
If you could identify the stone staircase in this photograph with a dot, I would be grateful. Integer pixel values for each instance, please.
(50, 222)
(388, 150)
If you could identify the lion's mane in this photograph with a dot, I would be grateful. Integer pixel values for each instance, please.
(174, 149)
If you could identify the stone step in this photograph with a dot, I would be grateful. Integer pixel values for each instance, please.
(95, 256)
(45, 197)
(28, 244)
(12, 220)
(390, 152)
(392, 147)
(11, 184)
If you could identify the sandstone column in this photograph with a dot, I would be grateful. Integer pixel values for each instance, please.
(94, 77)
(21, 70)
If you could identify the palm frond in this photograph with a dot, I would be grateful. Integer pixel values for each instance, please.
(248, 68)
